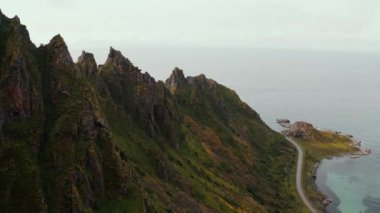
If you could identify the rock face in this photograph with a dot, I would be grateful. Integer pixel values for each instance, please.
(75, 137)
(87, 64)
(139, 93)
(302, 130)
(19, 88)
(57, 49)
(56, 150)
(176, 80)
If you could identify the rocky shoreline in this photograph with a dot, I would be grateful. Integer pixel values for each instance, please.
(358, 144)
(306, 131)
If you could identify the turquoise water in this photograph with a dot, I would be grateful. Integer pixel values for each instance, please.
(337, 91)
(332, 90)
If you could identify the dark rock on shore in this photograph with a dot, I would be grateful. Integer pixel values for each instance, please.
(283, 121)
(302, 130)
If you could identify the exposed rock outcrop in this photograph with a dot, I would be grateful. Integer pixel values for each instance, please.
(20, 96)
(303, 130)
(56, 149)
(58, 51)
(176, 80)
(87, 64)
(75, 137)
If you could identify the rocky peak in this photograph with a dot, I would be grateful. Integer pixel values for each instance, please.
(16, 20)
(86, 57)
(201, 81)
(57, 48)
(117, 59)
(17, 67)
(14, 32)
(176, 80)
(87, 64)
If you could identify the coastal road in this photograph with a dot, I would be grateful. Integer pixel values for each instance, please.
(299, 176)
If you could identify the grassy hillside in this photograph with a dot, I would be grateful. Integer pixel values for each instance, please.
(78, 137)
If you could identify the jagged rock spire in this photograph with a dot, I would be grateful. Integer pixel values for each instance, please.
(16, 19)
(115, 57)
(176, 80)
(114, 53)
(58, 49)
(87, 64)
(58, 41)
(85, 56)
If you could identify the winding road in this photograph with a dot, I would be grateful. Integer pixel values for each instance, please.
(299, 176)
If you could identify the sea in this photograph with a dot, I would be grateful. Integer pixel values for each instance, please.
(336, 90)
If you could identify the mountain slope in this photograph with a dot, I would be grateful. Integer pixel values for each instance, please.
(78, 137)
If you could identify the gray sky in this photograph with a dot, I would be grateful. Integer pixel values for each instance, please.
(86, 24)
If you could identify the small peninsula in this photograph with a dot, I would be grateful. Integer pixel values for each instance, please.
(318, 145)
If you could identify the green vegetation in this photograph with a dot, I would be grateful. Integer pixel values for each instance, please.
(133, 202)
(327, 144)
(115, 140)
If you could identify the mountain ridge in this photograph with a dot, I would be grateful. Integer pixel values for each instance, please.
(82, 137)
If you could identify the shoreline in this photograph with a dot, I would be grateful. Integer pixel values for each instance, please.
(326, 201)
(305, 135)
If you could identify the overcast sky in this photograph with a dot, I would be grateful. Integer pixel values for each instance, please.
(322, 24)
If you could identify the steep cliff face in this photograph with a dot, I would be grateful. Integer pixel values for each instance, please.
(83, 163)
(20, 118)
(56, 150)
(148, 102)
(77, 137)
